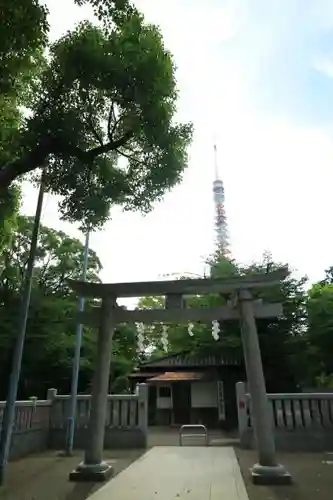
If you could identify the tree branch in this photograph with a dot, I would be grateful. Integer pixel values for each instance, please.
(27, 163)
(94, 131)
(129, 157)
(111, 116)
(44, 269)
(38, 156)
(110, 146)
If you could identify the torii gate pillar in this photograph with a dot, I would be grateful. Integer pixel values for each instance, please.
(267, 470)
(93, 468)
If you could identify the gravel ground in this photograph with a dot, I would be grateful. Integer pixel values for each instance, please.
(45, 476)
(312, 475)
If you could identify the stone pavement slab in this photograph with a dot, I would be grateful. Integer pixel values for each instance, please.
(168, 472)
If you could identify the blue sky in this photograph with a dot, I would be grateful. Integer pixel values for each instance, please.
(286, 49)
(258, 76)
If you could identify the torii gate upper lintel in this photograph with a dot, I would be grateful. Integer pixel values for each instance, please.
(243, 307)
(179, 287)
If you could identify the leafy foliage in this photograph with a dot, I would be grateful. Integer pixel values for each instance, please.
(9, 206)
(50, 337)
(23, 37)
(124, 357)
(320, 332)
(277, 336)
(102, 119)
(58, 259)
(23, 33)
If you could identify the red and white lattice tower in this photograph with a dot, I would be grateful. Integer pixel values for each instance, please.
(221, 226)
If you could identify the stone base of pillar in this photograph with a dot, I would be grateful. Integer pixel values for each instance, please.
(270, 475)
(95, 473)
(65, 453)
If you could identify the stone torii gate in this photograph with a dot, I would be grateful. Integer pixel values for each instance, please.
(241, 306)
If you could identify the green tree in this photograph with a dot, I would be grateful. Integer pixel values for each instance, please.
(9, 207)
(22, 40)
(50, 338)
(282, 339)
(319, 337)
(58, 259)
(51, 325)
(123, 359)
(279, 338)
(24, 30)
(102, 120)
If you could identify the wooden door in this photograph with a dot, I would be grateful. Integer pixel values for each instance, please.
(181, 398)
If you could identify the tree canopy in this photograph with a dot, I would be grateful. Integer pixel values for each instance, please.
(319, 335)
(24, 30)
(96, 113)
(295, 348)
(277, 336)
(23, 37)
(102, 118)
(50, 338)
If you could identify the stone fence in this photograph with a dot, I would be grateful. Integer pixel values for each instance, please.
(301, 421)
(43, 424)
(31, 426)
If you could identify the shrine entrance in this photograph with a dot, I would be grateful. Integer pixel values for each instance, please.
(181, 397)
(242, 304)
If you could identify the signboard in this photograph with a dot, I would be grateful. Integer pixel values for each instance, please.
(220, 400)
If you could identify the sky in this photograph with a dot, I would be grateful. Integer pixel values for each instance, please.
(256, 77)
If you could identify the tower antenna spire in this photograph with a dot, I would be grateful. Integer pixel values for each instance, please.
(216, 166)
(221, 227)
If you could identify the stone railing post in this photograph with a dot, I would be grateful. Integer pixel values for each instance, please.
(241, 411)
(51, 394)
(33, 399)
(143, 408)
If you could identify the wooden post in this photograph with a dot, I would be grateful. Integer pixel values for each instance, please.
(93, 468)
(267, 471)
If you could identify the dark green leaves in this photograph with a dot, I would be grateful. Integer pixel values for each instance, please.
(58, 259)
(23, 31)
(103, 119)
(51, 327)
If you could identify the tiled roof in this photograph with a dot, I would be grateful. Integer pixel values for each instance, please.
(186, 360)
(178, 376)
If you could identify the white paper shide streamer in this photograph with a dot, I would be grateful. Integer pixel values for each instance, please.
(190, 329)
(215, 329)
(140, 328)
(164, 338)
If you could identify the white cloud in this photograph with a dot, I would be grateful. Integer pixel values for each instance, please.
(324, 65)
(278, 177)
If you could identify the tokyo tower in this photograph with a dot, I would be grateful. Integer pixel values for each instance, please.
(221, 227)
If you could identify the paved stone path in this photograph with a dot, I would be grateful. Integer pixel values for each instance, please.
(170, 473)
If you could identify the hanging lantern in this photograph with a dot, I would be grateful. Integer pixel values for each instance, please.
(140, 328)
(215, 329)
(164, 338)
(190, 329)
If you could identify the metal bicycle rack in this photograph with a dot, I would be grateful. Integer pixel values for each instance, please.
(203, 433)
